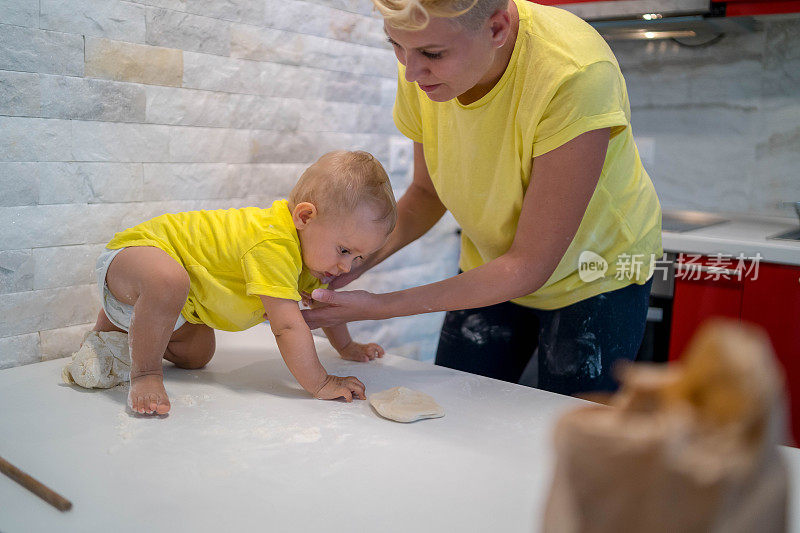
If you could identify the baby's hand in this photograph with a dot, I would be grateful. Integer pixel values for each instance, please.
(355, 351)
(337, 387)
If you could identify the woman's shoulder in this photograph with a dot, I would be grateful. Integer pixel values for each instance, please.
(560, 40)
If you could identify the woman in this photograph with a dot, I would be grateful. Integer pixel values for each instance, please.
(521, 128)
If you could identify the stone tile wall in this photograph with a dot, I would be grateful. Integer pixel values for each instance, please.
(112, 112)
(718, 126)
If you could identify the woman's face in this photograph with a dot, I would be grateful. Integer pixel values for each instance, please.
(448, 60)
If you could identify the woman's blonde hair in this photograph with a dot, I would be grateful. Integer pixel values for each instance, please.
(341, 181)
(416, 14)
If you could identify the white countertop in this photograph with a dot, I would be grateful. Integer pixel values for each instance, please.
(244, 448)
(740, 235)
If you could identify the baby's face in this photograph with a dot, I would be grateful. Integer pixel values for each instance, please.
(333, 244)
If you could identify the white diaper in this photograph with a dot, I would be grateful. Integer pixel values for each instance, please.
(120, 314)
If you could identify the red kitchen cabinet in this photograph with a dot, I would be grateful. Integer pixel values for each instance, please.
(772, 300)
(765, 294)
(738, 8)
(733, 8)
(703, 289)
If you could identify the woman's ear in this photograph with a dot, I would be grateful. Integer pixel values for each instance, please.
(303, 213)
(500, 26)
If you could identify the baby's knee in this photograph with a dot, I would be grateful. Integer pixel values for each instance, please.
(193, 363)
(197, 355)
(190, 362)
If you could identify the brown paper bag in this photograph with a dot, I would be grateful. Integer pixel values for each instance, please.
(691, 447)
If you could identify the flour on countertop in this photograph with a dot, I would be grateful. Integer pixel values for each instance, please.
(191, 400)
(312, 434)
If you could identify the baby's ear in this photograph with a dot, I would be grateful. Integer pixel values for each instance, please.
(303, 213)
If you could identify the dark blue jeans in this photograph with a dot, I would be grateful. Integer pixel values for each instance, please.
(578, 344)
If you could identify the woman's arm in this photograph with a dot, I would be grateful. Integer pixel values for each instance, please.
(562, 183)
(417, 211)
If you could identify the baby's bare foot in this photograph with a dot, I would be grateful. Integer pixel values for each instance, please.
(147, 395)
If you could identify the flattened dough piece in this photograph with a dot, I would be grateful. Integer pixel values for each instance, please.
(405, 405)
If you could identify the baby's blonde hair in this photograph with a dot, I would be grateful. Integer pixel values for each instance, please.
(341, 181)
(416, 14)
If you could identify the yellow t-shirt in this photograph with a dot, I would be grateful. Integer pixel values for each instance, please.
(233, 256)
(562, 81)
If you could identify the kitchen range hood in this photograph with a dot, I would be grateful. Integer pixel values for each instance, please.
(695, 21)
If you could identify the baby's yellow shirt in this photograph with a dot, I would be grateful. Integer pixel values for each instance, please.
(232, 256)
(562, 81)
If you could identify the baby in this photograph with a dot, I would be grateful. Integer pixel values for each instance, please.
(171, 281)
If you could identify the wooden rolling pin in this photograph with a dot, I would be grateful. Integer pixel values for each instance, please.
(36, 487)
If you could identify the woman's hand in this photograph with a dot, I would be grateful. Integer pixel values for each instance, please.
(334, 308)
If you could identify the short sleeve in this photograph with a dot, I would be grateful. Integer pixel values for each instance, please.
(406, 112)
(308, 283)
(272, 268)
(592, 98)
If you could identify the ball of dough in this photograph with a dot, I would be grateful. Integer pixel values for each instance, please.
(103, 361)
